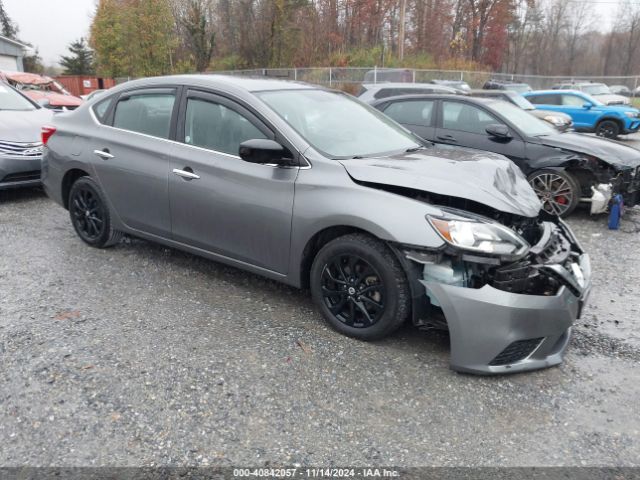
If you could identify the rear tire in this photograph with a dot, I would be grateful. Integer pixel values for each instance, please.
(558, 191)
(608, 129)
(90, 215)
(360, 287)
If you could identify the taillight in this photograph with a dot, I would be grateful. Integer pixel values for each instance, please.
(47, 132)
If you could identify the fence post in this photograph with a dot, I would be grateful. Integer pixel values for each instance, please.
(295, 74)
(330, 76)
(414, 75)
(635, 86)
(375, 74)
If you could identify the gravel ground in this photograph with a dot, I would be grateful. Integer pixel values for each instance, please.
(142, 355)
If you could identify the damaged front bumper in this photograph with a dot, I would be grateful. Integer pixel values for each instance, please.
(521, 320)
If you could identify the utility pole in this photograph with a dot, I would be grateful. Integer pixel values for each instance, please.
(403, 12)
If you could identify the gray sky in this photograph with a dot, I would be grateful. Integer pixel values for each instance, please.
(52, 24)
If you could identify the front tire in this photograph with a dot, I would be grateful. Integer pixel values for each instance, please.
(558, 191)
(360, 287)
(608, 129)
(90, 214)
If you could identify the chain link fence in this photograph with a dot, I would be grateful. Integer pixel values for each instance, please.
(351, 78)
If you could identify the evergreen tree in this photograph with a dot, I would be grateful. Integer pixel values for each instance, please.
(7, 27)
(80, 62)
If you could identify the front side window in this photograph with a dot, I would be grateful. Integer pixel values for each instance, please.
(148, 113)
(573, 101)
(338, 125)
(215, 127)
(415, 112)
(466, 118)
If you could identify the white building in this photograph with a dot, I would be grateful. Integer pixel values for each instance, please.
(11, 53)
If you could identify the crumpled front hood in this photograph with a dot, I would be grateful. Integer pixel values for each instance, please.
(614, 153)
(482, 177)
(23, 126)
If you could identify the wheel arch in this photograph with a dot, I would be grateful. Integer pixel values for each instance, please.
(315, 244)
(68, 180)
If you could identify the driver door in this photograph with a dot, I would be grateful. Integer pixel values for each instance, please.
(464, 124)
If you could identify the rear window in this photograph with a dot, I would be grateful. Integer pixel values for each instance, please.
(148, 113)
(413, 112)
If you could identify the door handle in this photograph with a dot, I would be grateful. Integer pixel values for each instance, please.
(187, 173)
(103, 154)
(446, 138)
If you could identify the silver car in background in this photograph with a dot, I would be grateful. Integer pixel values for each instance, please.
(316, 189)
(21, 122)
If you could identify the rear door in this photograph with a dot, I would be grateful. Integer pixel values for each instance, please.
(419, 116)
(223, 204)
(464, 124)
(131, 156)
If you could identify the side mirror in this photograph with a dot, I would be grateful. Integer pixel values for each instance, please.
(498, 130)
(587, 106)
(43, 102)
(263, 151)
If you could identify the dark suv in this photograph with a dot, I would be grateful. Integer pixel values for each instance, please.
(506, 85)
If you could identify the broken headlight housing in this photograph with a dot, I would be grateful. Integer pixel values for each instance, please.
(555, 120)
(478, 234)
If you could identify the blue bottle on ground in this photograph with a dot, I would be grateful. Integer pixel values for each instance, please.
(615, 214)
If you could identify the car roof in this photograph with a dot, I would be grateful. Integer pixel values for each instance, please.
(400, 85)
(437, 96)
(493, 93)
(249, 84)
(552, 92)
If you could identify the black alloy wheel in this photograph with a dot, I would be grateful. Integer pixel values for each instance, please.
(360, 287)
(557, 190)
(90, 215)
(353, 291)
(608, 129)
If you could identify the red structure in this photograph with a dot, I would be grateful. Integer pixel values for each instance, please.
(83, 85)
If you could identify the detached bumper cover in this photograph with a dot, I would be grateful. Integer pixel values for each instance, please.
(494, 331)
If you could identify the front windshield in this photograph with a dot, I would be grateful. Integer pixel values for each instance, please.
(338, 125)
(525, 122)
(596, 89)
(11, 100)
(519, 87)
(522, 102)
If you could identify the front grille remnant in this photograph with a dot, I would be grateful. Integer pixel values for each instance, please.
(516, 352)
(19, 149)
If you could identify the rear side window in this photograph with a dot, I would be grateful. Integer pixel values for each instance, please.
(544, 99)
(101, 109)
(418, 112)
(148, 113)
(215, 127)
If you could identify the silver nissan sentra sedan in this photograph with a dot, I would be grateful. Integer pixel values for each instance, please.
(314, 188)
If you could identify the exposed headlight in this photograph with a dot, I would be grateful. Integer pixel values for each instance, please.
(557, 121)
(477, 234)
